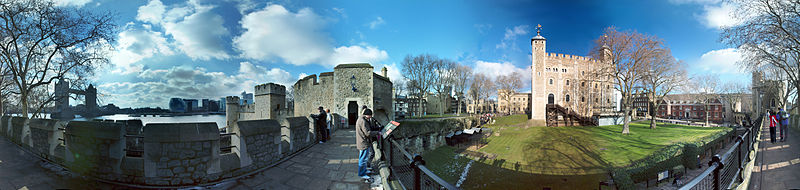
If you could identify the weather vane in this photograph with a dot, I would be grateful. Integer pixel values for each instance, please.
(538, 29)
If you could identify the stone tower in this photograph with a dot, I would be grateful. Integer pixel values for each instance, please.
(538, 56)
(269, 98)
(231, 111)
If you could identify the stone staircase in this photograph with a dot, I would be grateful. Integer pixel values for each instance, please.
(559, 116)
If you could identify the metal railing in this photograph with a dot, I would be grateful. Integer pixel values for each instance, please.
(410, 170)
(725, 170)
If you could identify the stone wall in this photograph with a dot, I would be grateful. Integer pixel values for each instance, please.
(94, 148)
(428, 134)
(181, 154)
(171, 154)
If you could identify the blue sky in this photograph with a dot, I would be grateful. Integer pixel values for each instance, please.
(211, 49)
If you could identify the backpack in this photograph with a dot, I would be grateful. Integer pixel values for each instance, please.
(785, 116)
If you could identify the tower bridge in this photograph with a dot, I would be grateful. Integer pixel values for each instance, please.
(64, 111)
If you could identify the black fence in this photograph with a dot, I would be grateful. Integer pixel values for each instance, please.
(725, 170)
(410, 171)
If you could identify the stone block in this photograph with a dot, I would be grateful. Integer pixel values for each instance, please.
(180, 132)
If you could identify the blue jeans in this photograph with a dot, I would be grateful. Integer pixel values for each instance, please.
(363, 158)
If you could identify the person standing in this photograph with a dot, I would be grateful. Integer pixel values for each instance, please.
(329, 122)
(320, 125)
(363, 136)
(783, 118)
(773, 121)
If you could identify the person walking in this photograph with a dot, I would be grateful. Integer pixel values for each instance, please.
(329, 122)
(320, 125)
(363, 136)
(773, 121)
(783, 118)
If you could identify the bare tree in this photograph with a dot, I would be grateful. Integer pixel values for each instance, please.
(625, 52)
(659, 78)
(733, 93)
(507, 86)
(463, 77)
(5, 86)
(399, 87)
(443, 80)
(43, 43)
(707, 89)
(768, 37)
(419, 69)
(481, 88)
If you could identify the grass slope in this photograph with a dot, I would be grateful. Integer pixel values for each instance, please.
(537, 154)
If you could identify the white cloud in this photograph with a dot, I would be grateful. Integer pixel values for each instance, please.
(77, 3)
(340, 11)
(274, 32)
(357, 54)
(694, 1)
(718, 16)
(301, 76)
(495, 69)
(375, 23)
(510, 36)
(393, 70)
(152, 12)
(277, 34)
(200, 35)
(187, 82)
(133, 45)
(197, 31)
(722, 61)
(483, 28)
(716, 13)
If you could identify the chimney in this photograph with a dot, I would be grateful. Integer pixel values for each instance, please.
(383, 72)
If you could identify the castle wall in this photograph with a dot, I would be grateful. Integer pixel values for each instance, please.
(170, 154)
(562, 75)
(382, 93)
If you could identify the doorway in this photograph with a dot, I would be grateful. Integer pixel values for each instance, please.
(352, 112)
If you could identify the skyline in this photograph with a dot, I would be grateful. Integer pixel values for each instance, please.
(205, 49)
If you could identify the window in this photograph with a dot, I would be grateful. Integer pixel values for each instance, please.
(567, 97)
(595, 86)
(551, 81)
(583, 84)
(595, 99)
(582, 100)
(581, 72)
(567, 82)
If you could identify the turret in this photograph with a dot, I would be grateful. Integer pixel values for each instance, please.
(231, 111)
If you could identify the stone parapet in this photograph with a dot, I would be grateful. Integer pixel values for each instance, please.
(94, 148)
(172, 155)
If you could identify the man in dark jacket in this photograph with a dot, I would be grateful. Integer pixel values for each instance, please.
(363, 135)
(321, 125)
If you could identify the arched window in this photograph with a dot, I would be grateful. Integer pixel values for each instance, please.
(551, 99)
(582, 99)
(567, 97)
(583, 84)
(551, 81)
(567, 82)
(595, 86)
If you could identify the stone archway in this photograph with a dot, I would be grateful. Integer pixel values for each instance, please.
(551, 99)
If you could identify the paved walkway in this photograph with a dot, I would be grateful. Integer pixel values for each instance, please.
(777, 165)
(332, 165)
(22, 170)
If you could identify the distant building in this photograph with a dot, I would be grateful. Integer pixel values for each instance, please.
(519, 103)
(177, 105)
(246, 98)
(205, 104)
(191, 105)
(400, 105)
(415, 105)
(222, 104)
(481, 106)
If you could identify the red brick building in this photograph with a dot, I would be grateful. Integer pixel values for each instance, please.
(691, 107)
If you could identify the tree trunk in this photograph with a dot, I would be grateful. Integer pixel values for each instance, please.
(626, 121)
(458, 112)
(2, 111)
(652, 122)
(23, 99)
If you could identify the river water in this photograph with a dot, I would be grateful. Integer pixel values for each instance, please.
(219, 119)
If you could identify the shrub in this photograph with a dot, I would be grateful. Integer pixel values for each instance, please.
(690, 152)
(622, 179)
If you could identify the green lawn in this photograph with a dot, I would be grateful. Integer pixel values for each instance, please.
(433, 116)
(542, 152)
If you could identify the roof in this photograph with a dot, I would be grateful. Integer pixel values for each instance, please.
(353, 65)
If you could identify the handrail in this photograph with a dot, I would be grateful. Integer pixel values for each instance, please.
(420, 167)
(727, 162)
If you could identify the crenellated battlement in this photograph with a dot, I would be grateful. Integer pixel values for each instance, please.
(567, 57)
(232, 100)
(270, 88)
